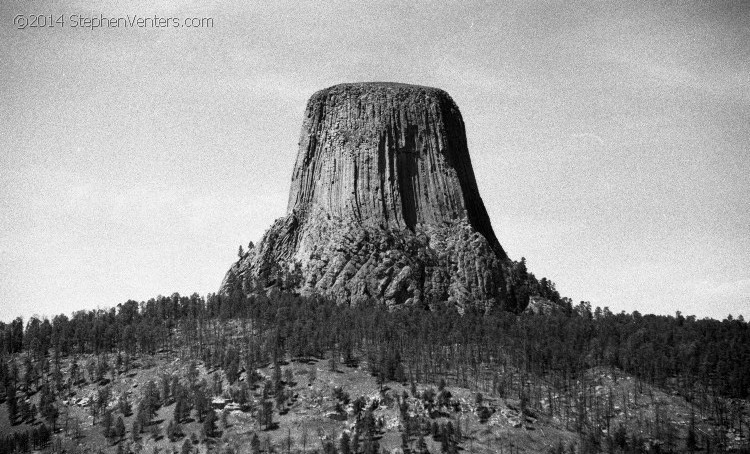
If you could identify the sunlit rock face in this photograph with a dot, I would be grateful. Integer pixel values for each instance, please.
(383, 205)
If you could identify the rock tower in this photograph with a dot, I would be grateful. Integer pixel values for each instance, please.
(383, 205)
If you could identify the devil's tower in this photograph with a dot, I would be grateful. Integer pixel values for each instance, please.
(383, 205)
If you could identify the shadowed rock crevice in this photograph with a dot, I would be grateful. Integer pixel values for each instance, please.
(383, 204)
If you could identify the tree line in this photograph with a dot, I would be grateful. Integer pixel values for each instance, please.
(683, 351)
(500, 352)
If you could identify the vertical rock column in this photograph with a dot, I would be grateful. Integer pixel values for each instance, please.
(383, 204)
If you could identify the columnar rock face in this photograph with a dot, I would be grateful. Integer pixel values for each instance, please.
(383, 205)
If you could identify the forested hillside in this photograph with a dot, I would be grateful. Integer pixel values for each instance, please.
(544, 361)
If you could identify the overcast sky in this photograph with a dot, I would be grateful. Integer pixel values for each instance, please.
(610, 140)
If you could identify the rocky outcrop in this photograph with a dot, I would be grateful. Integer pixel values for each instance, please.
(541, 306)
(383, 204)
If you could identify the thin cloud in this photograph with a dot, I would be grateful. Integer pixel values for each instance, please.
(589, 135)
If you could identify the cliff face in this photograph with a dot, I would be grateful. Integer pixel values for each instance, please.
(383, 204)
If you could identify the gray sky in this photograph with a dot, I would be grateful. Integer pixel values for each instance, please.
(610, 140)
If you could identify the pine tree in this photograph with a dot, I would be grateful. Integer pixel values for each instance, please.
(355, 442)
(107, 422)
(255, 444)
(332, 361)
(209, 423)
(124, 405)
(44, 435)
(120, 428)
(166, 391)
(171, 431)
(224, 418)
(12, 403)
(186, 447)
(265, 416)
(180, 408)
(405, 443)
(621, 437)
(47, 407)
(135, 430)
(344, 444)
(276, 379)
(200, 402)
(421, 445)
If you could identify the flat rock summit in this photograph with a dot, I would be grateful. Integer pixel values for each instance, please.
(383, 205)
